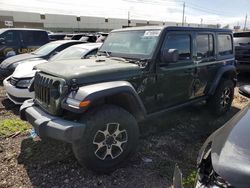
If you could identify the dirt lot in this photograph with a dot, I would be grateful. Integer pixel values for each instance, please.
(176, 138)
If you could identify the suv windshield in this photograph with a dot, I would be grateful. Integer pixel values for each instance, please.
(133, 44)
(241, 38)
(73, 52)
(46, 49)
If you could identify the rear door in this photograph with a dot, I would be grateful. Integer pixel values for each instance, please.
(175, 80)
(206, 63)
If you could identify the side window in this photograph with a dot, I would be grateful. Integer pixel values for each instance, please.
(225, 45)
(205, 45)
(180, 42)
(91, 53)
(11, 38)
(34, 38)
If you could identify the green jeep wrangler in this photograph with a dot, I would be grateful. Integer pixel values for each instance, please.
(95, 104)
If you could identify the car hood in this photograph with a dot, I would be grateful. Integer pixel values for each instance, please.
(6, 63)
(91, 70)
(231, 150)
(26, 69)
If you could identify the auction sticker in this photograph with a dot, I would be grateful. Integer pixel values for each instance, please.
(152, 33)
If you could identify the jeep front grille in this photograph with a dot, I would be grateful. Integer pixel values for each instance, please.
(42, 88)
(47, 92)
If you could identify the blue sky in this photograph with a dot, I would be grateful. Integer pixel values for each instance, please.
(211, 11)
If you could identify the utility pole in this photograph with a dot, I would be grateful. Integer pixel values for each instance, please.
(201, 21)
(245, 25)
(183, 14)
(128, 18)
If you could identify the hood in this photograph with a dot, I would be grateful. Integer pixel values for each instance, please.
(91, 70)
(231, 150)
(26, 69)
(6, 63)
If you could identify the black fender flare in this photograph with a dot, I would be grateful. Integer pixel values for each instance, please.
(95, 92)
(229, 69)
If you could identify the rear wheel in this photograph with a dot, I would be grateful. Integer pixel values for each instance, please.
(222, 99)
(110, 137)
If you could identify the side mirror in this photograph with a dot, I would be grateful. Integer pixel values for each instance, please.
(245, 90)
(169, 55)
(2, 41)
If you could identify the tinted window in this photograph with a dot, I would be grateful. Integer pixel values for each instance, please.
(34, 38)
(180, 42)
(11, 38)
(205, 46)
(225, 46)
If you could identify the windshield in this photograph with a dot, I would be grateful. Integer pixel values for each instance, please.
(46, 49)
(241, 38)
(134, 44)
(73, 52)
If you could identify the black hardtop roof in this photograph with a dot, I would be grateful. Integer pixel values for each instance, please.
(174, 28)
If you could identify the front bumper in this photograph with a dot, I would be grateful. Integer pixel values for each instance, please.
(50, 126)
(16, 95)
(4, 73)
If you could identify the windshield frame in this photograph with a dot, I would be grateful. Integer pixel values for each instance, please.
(134, 55)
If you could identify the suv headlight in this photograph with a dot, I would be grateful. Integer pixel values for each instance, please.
(24, 83)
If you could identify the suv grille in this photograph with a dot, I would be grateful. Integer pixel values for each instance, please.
(42, 88)
(47, 92)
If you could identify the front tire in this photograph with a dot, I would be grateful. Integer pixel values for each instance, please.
(222, 99)
(110, 137)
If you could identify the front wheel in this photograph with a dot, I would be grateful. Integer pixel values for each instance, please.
(110, 137)
(221, 101)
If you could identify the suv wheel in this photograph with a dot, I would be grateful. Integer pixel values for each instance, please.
(222, 99)
(110, 137)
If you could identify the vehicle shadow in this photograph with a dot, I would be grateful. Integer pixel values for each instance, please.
(9, 105)
(52, 163)
(243, 79)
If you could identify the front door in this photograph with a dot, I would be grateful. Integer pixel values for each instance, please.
(175, 80)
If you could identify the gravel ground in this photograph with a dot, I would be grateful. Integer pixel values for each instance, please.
(165, 141)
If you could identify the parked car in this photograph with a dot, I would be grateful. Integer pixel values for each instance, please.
(89, 38)
(17, 84)
(95, 104)
(46, 51)
(223, 160)
(242, 51)
(74, 36)
(15, 41)
(56, 36)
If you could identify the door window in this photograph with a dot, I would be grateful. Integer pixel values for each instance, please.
(180, 42)
(11, 38)
(34, 38)
(225, 44)
(205, 46)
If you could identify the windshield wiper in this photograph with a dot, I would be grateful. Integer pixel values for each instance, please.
(105, 52)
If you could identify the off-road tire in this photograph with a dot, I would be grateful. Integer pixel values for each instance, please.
(96, 120)
(215, 102)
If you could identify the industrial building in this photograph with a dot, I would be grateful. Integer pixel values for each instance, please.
(70, 23)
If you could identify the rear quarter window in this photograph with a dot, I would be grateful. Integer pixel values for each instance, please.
(225, 44)
(34, 38)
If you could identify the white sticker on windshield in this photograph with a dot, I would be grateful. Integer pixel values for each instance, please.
(152, 33)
